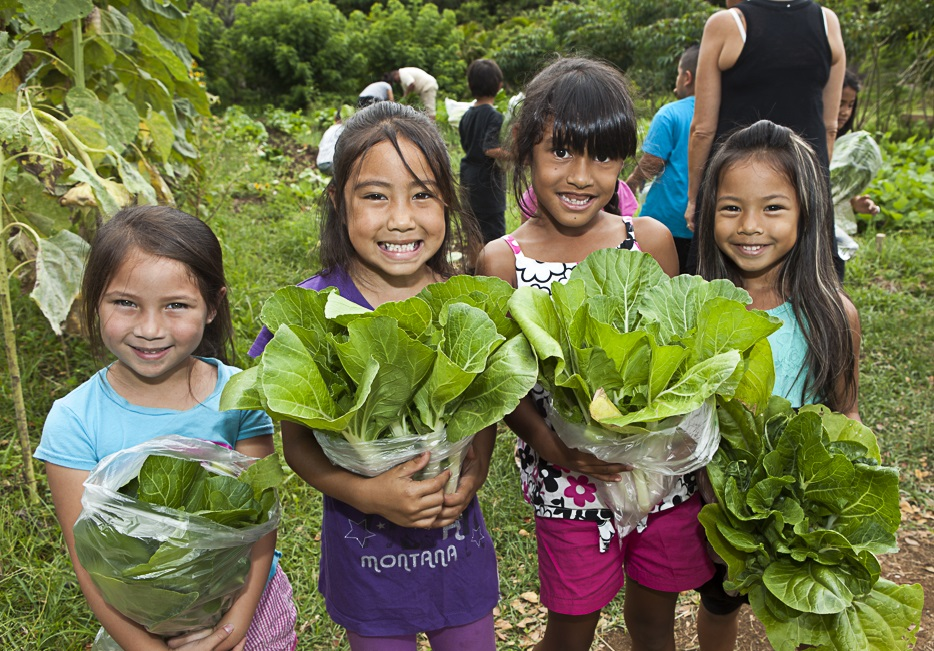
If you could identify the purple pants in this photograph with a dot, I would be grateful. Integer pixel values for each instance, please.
(476, 636)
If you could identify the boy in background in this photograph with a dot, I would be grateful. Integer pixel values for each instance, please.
(665, 156)
(483, 180)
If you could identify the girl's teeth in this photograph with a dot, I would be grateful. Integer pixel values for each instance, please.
(751, 249)
(576, 202)
(400, 248)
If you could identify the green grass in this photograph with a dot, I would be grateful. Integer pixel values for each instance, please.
(270, 241)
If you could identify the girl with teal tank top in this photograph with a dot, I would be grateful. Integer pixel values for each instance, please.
(765, 222)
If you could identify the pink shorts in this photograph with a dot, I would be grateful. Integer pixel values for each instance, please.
(576, 579)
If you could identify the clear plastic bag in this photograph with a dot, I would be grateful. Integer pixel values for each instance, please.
(371, 458)
(670, 448)
(201, 564)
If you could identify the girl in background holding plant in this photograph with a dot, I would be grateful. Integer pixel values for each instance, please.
(764, 222)
(574, 130)
(155, 297)
(398, 556)
(849, 100)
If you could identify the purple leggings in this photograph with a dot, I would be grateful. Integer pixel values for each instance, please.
(476, 636)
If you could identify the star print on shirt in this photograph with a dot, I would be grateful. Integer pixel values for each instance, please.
(477, 537)
(359, 532)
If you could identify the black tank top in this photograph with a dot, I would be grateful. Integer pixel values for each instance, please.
(781, 72)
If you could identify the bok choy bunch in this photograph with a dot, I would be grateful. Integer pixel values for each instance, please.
(632, 360)
(380, 386)
(803, 509)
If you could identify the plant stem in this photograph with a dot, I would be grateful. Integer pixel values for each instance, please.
(12, 358)
(79, 54)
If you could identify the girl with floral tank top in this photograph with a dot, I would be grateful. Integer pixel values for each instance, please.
(573, 132)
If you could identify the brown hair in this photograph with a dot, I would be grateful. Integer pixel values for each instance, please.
(169, 233)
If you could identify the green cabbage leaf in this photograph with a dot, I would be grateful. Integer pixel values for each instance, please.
(803, 509)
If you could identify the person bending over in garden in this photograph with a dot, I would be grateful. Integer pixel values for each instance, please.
(574, 130)
(416, 81)
(482, 178)
(665, 159)
(378, 91)
(763, 224)
(155, 297)
(390, 218)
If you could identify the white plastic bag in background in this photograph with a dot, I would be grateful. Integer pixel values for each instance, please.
(456, 110)
(197, 577)
(673, 447)
(371, 458)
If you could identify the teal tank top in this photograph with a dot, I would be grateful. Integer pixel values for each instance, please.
(789, 348)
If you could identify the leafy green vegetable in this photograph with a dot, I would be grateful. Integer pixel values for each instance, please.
(803, 508)
(443, 364)
(166, 549)
(624, 345)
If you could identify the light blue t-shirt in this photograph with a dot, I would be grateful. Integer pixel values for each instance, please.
(94, 420)
(789, 349)
(668, 139)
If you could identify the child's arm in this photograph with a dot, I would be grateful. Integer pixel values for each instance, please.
(856, 332)
(243, 608)
(393, 494)
(655, 239)
(67, 487)
(474, 471)
(529, 426)
(647, 168)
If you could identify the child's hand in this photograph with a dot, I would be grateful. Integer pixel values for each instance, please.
(473, 474)
(203, 640)
(403, 500)
(560, 454)
(864, 205)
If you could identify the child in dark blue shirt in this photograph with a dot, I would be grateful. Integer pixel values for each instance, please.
(483, 180)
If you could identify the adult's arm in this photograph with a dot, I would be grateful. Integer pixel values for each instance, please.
(720, 26)
(833, 89)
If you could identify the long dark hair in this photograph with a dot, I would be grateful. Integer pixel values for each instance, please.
(807, 277)
(851, 80)
(390, 122)
(591, 107)
(168, 233)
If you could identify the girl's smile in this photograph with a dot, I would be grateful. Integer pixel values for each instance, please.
(756, 222)
(571, 187)
(395, 220)
(152, 318)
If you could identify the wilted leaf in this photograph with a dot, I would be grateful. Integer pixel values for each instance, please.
(59, 267)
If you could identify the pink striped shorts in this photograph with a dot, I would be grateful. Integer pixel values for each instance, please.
(273, 625)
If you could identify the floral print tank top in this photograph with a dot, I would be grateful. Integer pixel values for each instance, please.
(554, 491)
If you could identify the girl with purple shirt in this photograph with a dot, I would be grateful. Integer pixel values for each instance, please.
(398, 556)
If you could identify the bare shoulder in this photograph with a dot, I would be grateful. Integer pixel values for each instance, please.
(497, 259)
(655, 239)
(852, 314)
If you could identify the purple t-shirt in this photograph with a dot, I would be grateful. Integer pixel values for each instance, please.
(380, 579)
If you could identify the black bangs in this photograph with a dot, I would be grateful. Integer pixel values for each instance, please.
(586, 119)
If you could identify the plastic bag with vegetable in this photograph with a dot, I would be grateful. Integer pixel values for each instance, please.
(167, 528)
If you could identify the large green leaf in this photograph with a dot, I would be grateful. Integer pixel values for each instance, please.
(49, 15)
(626, 275)
(509, 376)
(164, 480)
(10, 53)
(59, 267)
(147, 39)
(674, 306)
